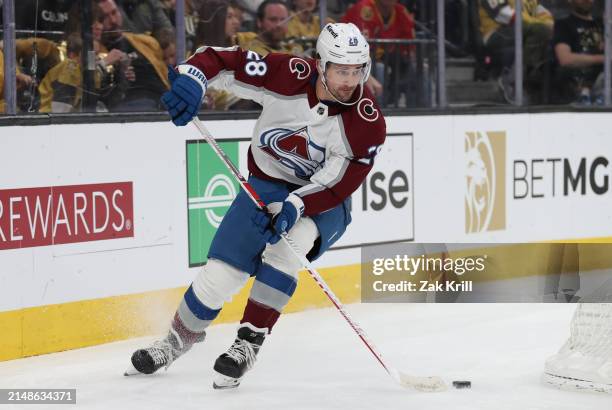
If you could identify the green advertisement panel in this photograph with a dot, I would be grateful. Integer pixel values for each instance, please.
(210, 191)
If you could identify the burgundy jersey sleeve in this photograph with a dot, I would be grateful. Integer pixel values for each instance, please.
(362, 134)
(248, 74)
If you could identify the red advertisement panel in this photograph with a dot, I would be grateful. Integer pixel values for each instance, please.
(65, 214)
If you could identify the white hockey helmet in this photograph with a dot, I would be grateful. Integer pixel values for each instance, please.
(343, 43)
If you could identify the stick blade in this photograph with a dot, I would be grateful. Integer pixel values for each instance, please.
(432, 384)
(131, 371)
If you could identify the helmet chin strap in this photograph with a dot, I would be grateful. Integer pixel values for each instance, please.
(324, 81)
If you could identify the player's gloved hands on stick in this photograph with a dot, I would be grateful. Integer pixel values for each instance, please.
(292, 210)
(261, 220)
(187, 87)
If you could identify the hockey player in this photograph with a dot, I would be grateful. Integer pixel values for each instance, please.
(312, 146)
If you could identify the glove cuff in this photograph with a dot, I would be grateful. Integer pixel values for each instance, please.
(297, 202)
(195, 74)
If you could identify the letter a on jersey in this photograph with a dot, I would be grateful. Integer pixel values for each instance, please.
(294, 149)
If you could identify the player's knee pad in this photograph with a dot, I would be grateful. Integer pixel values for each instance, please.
(280, 256)
(217, 283)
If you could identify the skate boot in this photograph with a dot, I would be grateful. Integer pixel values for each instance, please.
(239, 358)
(160, 354)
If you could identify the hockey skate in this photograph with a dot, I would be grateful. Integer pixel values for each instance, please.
(239, 358)
(162, 353)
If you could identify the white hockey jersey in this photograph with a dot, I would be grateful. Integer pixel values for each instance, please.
(325, 149)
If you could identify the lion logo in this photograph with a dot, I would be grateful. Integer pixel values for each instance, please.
(481, 182)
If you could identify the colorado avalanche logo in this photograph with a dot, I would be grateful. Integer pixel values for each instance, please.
(294, 150)
(300, 67)
(366, 110)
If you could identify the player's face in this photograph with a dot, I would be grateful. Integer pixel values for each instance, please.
(274, 23)
(343, 79)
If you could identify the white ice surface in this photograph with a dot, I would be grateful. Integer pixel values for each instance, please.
(313, 360)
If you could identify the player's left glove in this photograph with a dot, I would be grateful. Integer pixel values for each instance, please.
(292, 210)
(187, 87)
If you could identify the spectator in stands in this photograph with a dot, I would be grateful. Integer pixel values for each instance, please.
(337, 8)
(127, 8)
(142, 78)
(60, 89)
(272, 19)
(154, 17)
(105, 61)
(304, 22)
(191, 23)
(497, 30)
(579, 46)
(381, 19)
(23, 81)
(97, 28)
(249, 18)
(218, 26)
(387, 19)
(47, 56)
(167, 42)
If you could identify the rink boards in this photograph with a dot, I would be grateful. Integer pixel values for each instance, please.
(102, 226)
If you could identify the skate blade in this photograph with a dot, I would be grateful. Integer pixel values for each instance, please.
(222, 382)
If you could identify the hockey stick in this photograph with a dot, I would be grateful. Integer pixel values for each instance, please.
(426, 384)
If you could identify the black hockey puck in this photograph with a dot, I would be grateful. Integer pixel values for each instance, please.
(462, 384)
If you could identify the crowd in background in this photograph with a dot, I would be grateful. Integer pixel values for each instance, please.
(563, 46)
(134, 42)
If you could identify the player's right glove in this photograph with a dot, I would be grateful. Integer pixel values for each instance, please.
(292, 210)
(261, 221)
(187, 87)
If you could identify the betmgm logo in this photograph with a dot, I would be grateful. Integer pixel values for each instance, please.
(219, 193)
(485, 190)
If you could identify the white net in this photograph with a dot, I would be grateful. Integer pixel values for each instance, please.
(587, 355)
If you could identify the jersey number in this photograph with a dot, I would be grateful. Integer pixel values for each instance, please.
(255, 66)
